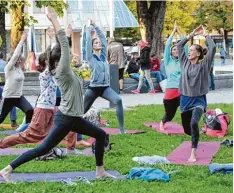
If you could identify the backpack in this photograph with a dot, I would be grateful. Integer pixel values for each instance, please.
(52, 154)
(93, 115)
(216, 125)
(107, 145)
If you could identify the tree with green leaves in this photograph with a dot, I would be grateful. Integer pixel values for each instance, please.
(217, 15)
(19, 19)
(183, 12)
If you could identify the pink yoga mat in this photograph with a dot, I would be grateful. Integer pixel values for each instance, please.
(115, 131)
(19, 151)
(171, 128)
(205, 152)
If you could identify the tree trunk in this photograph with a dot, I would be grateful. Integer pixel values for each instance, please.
(3, 33)
(142, 9)
(151, 22)
(17, 26)
(154, 33)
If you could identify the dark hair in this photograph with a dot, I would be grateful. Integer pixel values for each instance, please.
(204, 51)
(200, 50)
(93, 40)
(54, 57)
(1, 55)
(42, 61)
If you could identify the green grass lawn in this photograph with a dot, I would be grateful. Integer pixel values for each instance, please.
(190, 178)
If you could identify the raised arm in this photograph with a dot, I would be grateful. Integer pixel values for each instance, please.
(211, 51)
(167, 51)
(181, 50)
(102, 37)
(64, 63)
(25, 53)
(84, 43)
(17, 53)
(181, 38)
(89, 47)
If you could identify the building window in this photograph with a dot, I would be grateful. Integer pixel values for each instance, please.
(37, 9)
(72, 6)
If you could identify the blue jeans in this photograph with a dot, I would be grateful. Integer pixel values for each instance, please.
(211, 80)
(63, 124)
(136, 76)
(92, 93)
(157, 75)
(13, 115)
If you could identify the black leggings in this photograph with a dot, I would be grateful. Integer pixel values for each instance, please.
(8, 103)
(190, 120)
(63, 124)
(170, 107)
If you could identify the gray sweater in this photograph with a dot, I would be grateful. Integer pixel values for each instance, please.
(194, 77)
(70, 85)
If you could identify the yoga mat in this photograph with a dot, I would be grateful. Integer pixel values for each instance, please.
(32, 177)
(115, 131)
(19, 151)
(5, 126)
(171, 128)
(8, 132)
(205, 152)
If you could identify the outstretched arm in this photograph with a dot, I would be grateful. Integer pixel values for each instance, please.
(211, 49)
(84, 43)
(17, 53)
(64, 63)
(102, 37)
(167, 51)
(89, 47)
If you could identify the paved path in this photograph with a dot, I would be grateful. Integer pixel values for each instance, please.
(130, 100)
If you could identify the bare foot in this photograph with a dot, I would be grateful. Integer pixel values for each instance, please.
(101, 173)
(104, 175)
(162, 126)
(6, 174)
(192, 156)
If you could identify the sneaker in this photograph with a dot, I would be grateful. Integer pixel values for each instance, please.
(135, 91)
(73, 152)
(152, 92)
(14, 124)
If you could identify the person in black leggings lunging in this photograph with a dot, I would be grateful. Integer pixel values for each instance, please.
(71, 109)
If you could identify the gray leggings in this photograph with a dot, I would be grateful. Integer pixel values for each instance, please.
(145, 73)
(92, 93)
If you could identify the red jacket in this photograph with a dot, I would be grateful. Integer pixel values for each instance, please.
(155, 64)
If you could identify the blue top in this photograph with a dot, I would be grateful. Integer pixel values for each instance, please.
(172, 66)
(98, 64)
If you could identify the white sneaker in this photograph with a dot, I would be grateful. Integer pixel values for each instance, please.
(74, 152)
